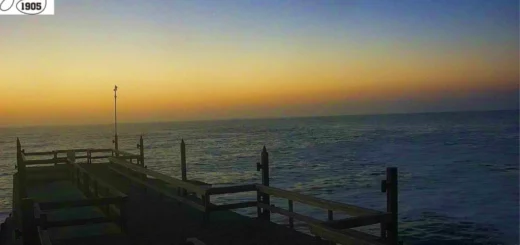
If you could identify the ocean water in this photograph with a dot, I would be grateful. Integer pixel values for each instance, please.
(458, 172)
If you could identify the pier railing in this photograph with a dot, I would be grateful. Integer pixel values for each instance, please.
(339, 230)
(197, 194)
(33, 216)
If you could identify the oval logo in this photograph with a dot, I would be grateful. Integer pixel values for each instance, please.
(31, 7)
(6, 4)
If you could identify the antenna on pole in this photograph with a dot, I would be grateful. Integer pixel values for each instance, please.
(115, 141)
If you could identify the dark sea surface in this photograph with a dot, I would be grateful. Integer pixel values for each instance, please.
(458, 172)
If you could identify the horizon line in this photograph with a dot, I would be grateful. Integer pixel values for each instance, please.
(253, 118)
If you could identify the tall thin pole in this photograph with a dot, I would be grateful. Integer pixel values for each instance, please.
(115, 119)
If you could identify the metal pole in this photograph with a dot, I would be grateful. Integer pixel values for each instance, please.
(116, 141)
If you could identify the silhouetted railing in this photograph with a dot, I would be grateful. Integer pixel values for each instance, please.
(197, 194)
(31, 216)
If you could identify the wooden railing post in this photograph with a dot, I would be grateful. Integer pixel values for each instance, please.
(205, 215)
(141, 151)
(291, 219)
(89, 157)
(183, 165)
(29, 229)
(264, 166)
(258, 200)
(391, 205)
(330, 215)
(21, 169)
(141, 158)
(55, 157)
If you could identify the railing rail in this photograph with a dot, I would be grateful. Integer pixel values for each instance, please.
(316, 202)
(170, 180)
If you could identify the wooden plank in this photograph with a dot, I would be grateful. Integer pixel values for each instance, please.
(80, 203)
(317, 202)
(230, 189)
(100, 150)
(233, 206)
(345, 237)
(74, 150)
(297, 216)
(358, 221)
(44, 237)
(48, 169)
(44, 161)
(41, 153)
(170, 180)
(160, 190)
(99, 157)
(75, 222)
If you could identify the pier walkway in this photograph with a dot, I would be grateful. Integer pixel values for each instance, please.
(106, 196)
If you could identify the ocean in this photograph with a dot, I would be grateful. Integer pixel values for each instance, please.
(458, 171)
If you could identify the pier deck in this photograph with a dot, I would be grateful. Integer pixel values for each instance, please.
(76, 200)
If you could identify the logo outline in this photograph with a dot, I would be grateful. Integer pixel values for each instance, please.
(15, 3)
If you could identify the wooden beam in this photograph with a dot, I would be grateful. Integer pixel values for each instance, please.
(99, 157)
(44, 161)
(233, 206)
(162, 191)
(41, 153)
(80, 203)
(317, 202)
(358, 221)
(230, 189)
(44, 237)
(100, 150)
(345, 237)
(297, 216)
(170, 180)
(74, 150)
(75, 222)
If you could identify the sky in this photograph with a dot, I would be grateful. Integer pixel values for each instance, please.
(206, 60)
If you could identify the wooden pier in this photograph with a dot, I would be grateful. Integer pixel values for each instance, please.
(107, 196)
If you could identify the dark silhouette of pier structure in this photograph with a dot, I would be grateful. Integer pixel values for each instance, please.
(108, 196)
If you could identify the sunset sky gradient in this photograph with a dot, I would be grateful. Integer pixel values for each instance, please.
(204, 60)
